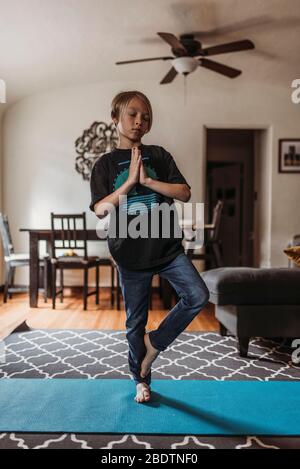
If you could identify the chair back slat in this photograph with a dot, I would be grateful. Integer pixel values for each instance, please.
(74, 231)
(216, 220)
(7, 243)
(67, 226)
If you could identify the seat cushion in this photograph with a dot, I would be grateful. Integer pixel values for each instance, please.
(250, 286)
(76, 262)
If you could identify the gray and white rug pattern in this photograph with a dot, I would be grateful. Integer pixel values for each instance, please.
(102, 354)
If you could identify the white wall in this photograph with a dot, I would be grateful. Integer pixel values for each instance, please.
(1, 191)
(39, 155)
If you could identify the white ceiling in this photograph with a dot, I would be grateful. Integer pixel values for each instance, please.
(46, 44)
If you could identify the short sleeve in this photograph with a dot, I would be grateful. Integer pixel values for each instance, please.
(99, 183)
(173, 175)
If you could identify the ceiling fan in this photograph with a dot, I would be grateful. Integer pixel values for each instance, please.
(187, 48)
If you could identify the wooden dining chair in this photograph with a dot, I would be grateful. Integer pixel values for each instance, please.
(212, 242)
(13, 260)
(64, 236)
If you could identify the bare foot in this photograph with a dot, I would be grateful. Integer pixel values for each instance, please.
(143, 393)
(151, 354)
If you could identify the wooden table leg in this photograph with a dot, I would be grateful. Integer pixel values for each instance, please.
(33, 270)
(49, 271)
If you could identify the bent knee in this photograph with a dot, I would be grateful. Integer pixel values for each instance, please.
(198, 297)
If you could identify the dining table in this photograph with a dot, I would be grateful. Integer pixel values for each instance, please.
(36, 235)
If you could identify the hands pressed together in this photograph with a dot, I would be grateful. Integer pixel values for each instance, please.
(137, 172)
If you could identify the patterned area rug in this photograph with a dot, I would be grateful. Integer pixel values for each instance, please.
(102, 354)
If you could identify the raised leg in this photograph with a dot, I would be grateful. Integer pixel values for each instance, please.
(193, 293)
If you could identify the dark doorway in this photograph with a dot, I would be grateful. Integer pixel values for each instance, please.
(230, 177)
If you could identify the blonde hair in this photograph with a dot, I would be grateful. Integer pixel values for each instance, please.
(121, 101)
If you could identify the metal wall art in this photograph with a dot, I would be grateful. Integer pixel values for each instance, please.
(100, 138)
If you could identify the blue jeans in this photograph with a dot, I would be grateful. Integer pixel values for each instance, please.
(135, 285)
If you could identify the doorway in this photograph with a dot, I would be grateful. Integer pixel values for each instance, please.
(230, 178)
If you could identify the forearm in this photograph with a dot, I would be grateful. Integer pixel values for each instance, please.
(100, 210)
(175, 191)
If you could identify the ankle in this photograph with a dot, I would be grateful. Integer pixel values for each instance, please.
(151, 344)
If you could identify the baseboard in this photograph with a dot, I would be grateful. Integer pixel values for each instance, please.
(80, 287)
(154, 289)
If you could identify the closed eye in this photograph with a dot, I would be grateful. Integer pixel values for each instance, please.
(146, 118)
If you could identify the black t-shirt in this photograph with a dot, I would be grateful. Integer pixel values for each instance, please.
(109, 172)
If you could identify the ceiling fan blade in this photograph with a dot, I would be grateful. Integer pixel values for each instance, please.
(142, 60)
(220, 68)
(169, 76)
(174, 43)
(255, 22)
(229, 47)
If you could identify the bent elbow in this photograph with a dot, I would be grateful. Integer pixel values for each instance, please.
(187, 195)
(101, 214)
(99, 211)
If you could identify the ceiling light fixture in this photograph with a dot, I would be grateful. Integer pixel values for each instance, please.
(185, 65)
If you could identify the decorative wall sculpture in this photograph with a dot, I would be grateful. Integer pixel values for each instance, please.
(100, 138)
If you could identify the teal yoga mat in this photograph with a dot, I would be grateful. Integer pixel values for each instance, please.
(177, 407)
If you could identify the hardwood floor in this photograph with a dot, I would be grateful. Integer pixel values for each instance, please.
(70, 314)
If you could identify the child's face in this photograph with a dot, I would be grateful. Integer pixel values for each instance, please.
(134, 121)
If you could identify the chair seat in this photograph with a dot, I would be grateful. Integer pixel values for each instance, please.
(19, 260)
(106, 261)
(13, 260)
(73, 262)
(17, 257)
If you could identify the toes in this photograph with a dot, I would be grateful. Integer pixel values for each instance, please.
(143, 396)
(146, 398)
(146, 394)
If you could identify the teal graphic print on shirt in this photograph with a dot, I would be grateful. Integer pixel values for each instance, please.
(138, 201)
